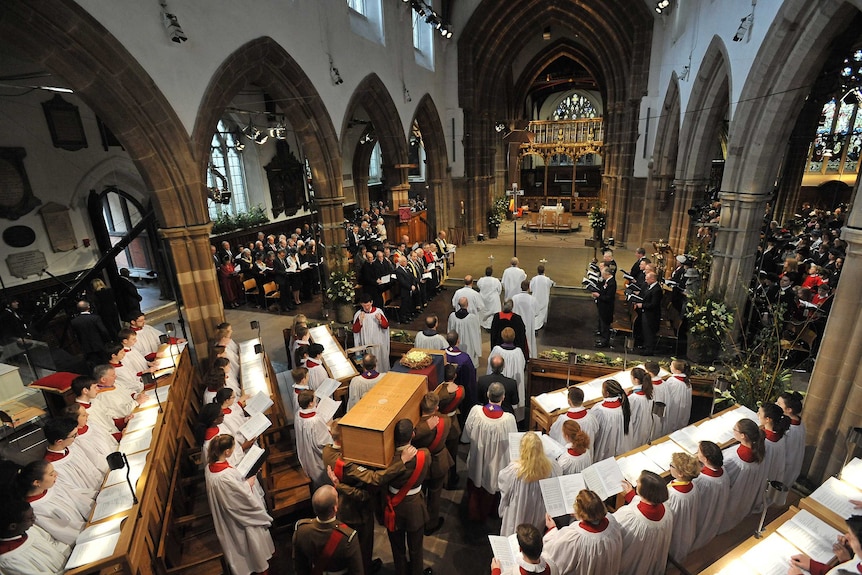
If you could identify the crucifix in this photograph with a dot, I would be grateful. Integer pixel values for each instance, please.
(514, 193)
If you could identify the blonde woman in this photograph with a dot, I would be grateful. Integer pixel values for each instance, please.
(683, 500)
(520, 495)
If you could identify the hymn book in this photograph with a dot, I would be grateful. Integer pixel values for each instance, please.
(327, 388)
(771, 556)
(95, 542)
(251, 461)
(505, 549)
(137, 441)
(811, 535)
(852, 473)
(327, 407)
(559, 493)
(112, 500)
(162, 392)
(835, 495)
(137, 462)
(604, 477)
(142, 420)
(255, 425)
(259, 403)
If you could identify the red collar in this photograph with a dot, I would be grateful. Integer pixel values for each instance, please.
(83, 430)
(712, 472)
(7, 546)
(127, 349)
(33, 498)
(219, 466)
(771, 435)
(492, 411)
(595, 528)
(682, 487)
(309, 363)
(136, 328)
(580, 414)
(115, 365)
(657, 381)
(506, 315)
(211, 432)
(226, 410)
(86, 404)
(651, 512)
(613, 404)
(574, 452)
(53, 456)
(308, 415)
(745, 453)
(794, 422)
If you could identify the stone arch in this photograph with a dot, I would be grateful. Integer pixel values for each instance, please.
(64, 38)
(442, 210)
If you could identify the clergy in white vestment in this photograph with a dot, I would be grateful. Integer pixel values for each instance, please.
(531, 557)
(613, 415)
(524, 305)
(713, 489)
(514, 366)
(683, 502)
(429, 338)
(371, 328)
(577, 412)
(312, 434)
(576, 456)
(591, 545)
(644, 425)
(791, 403)
(678, 390)
(646, 526)
(487, 429)
(511, 280)
(540, 287)
(73, 467)
(520, 495)
(362, 383)
(490, 289)
(238, 511)
(747, 473)
(317, 373)
(62, 513)
(474, 298)
(26, 548)
(469, 331)
(774, 425)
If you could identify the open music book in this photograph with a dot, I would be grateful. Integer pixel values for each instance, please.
(811, 535)
(137, 441)
(852, 473)
(559, 493)
(95, 542)
(553, 401)
(660, 453)
(771, 556)
(137, 462)
(327, 407)
(632, 465)
(505, 549)
(251, 462)
(112, 500)
(327, 388)
(152, 402)
(835, 495)
(604, 477)
(256, 424)
(259, 403)
(143, 419)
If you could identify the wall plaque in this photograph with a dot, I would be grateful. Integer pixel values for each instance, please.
(25, 264)
(19, 236)
(58, 223)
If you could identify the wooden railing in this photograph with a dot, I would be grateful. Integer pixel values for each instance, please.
(567, 131)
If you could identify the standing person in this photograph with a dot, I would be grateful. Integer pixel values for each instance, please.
(636, 267)
(590, 545)
(490, 289)
(774, 425)
(466, 373)
(713, 487)
(228, 281)
(531, 557)
(487, 428)
(469, 331)
(540, 287)
(683, 503)
(431, 433)
(26, 548)
(362, 383)
(524, 305)
(238, 511)
(507, 318)
(646, 526)
(128, 298)
(371, 328)
(520, 495)
(678, 390)
(578, 413)
(474, 299)
(317, 373)
(514, 366)
(106, 304)
(644, 425)
(496, 373)
(451, 395)
(605, 298)
(408, 286)
(513, 276)
(577, 455)
(747, 474)
(324, 544)
(312, 434)
(791, 403)
(428, 338)
(91, 333)
(614, 421)
(651, 316)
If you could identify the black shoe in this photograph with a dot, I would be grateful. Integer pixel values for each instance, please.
(428, 571)
(432, 530)
(376, 565)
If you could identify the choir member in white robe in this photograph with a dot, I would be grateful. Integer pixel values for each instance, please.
(531, 557)
(678, 390)
(133, 356)
(239, 513)
(659, 394)
(474, 299)
(683, 502)
(211, 424)
(577, 412)
(614, 417)
(515, 365)
(791, 403)
(490, 289)
(713, 487)
(95, 442)
(62, 513)
(469, 331)
(774, 425)
(73, 467)
(317, 373)
(299, 375)
(644, 426)
(746, 472)
(590, 545)
(148, 337)
(118, 402)
(487, 429)
(429, 338)
(576, 456)
(370, 327)
(512, 278)
(646, 526)
(234, 418)
(520, 494)
(362, 383)
(26, 548)
(215, 380)
(802, 564)
(127, 377)
(524, 305)
(540, 287)
(312, 434)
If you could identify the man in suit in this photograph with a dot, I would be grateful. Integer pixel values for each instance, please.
(283, 278)
(636, 267)
(512, 398)
(128, 298)
(651, 308)
(91, 333)
(408, 285)
(605, 298)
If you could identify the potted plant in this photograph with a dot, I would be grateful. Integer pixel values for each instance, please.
(598, 218)
(709, 325)
(496, 215)
(340, 292)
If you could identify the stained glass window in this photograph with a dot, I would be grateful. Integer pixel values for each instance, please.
(226, 170)
(575, 107)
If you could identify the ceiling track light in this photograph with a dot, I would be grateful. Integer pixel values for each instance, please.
(432, 18)
(172, 25)
(334, 74)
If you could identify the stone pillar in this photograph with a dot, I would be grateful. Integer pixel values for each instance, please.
(330, 212)
(189, 248)
(685, 192)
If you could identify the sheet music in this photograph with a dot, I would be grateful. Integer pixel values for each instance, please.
(813, 536)
(91, 550)
(835, 495)
(259, 403)
(737, 567)
(327, 388)
(687, 438)
(304, 266)
(162, 392)
(771, 556)
(137, 462)
(426, 276)
(717, 430)
(100, 530)
(515, 445)
(134, 442)
(660, 453)
(632, 465)
(249, 459)
(559, 493)
(143, 419)
(591, 391)
(256, 424)
(112, 500)
(604, 477)
(327, 407)
(552, 449)
(852, 473)
(505, 549)
(552, 402)
(743, 411)
(384, 280)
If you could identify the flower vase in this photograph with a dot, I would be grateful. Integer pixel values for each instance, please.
(344, 312)
(597, 234)
(493, 232)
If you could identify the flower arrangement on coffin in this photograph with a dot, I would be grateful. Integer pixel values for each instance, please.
(598, 217)
(416, 360)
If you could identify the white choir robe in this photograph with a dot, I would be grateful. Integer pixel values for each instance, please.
(521, 567)
(148, 340)
(489, 446)
(374, 332)
(116, 402)
(360, 385)
(775, 459)
(611, 439)
(40, 554)
(312, 434)
(521, 501)
(747, 482)
(512, 278)
(490, 289)
(135, 360)
(96, 444)
(127, 378)
(514, 366)
(713, 493)
(231, 380)
(221, 429)
(570, 462)
(684, 507)
(540, 287)
(241, 521)
(233, 419)
(524, 305)
(588, 422)
(209, 395)
(62, 514)
(317, 374)
(678, 410)
(659, 394)
(469, 333)
(74, 470)
(794, 451)
(99, 415)
(232, 358)
(642, 420)
(475, 303)
(430, 339)
(586, 549)
(645, 542)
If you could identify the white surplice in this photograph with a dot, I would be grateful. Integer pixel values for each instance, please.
(96, 444)
(490, 289)
(611, 439)
(794, 451)
(645, 542)
(475, 303)
(514, 366)
(469, 333)
(373, 333)
(660, 394)
(234, 419)
(75, 470)
(678, 400)
(588, 422)
(524, 305)
(521, 501)
(148, 340)
(135, 360)
(684, 507)
(127, 378)
(571, 463)
(312, 435)
(540, 287)
(317, 374)
(116, 402)
(40, 553)
(430, 339)
(512, 278)
(747, 481)
(583, 549)
(521, 567)
(489, 446)
(62, 514)
(775, 460)
(642, 419)
(713, 493)
(360, 385)
(241, 521)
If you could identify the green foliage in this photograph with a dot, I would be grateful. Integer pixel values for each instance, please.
(498, 210)
(709, 320)
(340, 288)
(598, 216)
(227, 222)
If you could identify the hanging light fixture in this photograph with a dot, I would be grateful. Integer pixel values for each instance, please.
(254, 134)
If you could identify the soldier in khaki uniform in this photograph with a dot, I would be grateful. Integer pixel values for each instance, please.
(324, 544)
(431, 432)
(451, 395)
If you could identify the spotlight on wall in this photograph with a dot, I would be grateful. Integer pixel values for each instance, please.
(279, 132)
(406, 92)
(499, 127)
(546, 34)
(744, 28)
(662, 5)
(334, 75)
(172, 25)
